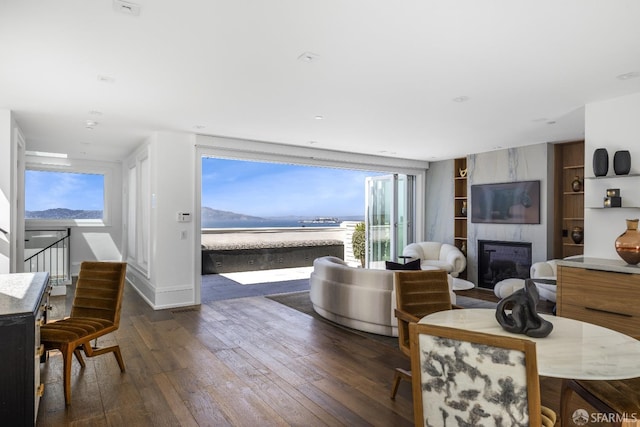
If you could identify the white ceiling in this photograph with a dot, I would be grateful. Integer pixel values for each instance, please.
(385, 78)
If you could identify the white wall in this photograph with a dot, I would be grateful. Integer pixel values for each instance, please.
(11, 178)
(171, 281)
(615, 125)
(6, 148)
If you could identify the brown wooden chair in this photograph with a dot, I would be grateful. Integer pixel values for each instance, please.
(620, 397)
(418, 293)
(95, 312)
(468, 378)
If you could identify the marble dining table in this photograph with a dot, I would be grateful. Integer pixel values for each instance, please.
(573, 350)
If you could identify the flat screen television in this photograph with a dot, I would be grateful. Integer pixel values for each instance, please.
(506, 203)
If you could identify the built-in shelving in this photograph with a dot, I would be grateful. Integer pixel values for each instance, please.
(569, 202)
(631, 175)
(613, 209)
(626, 184)
(460, 205)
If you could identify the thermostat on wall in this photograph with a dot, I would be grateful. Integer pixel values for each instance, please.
(184, 216)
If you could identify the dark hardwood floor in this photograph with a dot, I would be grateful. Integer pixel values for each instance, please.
(241, 362)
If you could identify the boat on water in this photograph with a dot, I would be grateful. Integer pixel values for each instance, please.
(320, 220)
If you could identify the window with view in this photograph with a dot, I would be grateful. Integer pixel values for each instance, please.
(60, 196)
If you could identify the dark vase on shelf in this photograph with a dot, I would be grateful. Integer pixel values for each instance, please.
(622, 162)
(577, 234)
(600, 162)
(628, 243)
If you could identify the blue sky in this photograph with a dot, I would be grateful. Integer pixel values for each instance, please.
(250, 188)
(274, 190)
(49, 190)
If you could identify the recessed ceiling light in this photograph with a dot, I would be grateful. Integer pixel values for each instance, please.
(627, 76)
(106, 79)
(308, 57)
(461, 99)
(319, 117)
(90, 124)
(126, 8)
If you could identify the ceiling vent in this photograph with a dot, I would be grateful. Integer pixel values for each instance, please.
(126, 8)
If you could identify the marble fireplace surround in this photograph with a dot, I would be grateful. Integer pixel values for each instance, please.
(526, 163)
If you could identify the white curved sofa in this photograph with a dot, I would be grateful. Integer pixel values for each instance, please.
(439, 255)
(359, 298)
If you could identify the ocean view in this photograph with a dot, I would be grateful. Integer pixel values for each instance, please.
(267, 223)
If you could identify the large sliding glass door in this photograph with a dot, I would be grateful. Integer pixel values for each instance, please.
(389, 219)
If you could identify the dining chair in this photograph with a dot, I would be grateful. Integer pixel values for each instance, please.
(621, 397)
(418, 293)
(95, 312)
(462, 377)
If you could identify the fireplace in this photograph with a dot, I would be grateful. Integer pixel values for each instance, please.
(499, 260)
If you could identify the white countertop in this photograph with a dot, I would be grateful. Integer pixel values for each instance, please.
(615, 265)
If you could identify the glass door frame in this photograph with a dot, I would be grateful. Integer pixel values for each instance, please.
(399, 205)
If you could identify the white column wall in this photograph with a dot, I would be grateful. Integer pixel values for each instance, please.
(171, 281)
(6, 148)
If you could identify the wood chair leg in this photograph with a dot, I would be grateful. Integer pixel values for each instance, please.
(118, 355)
(78, 355)
(92, 352)
(565, 398)
(399, 375)
(67, 352)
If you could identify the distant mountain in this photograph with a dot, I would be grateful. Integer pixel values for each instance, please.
(209, 214)
(62, 213)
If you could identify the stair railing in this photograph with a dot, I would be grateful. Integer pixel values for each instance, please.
(55, 259)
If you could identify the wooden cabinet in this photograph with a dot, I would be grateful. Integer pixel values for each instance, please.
(460, 204)
(569, 198)
(23, 302)
(605, 298)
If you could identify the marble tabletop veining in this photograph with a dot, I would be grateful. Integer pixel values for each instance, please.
(574, 349)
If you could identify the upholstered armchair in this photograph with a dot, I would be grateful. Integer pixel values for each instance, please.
(545, 270)
(437, 255)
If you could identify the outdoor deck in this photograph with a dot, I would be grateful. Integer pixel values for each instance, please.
(234, 250)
